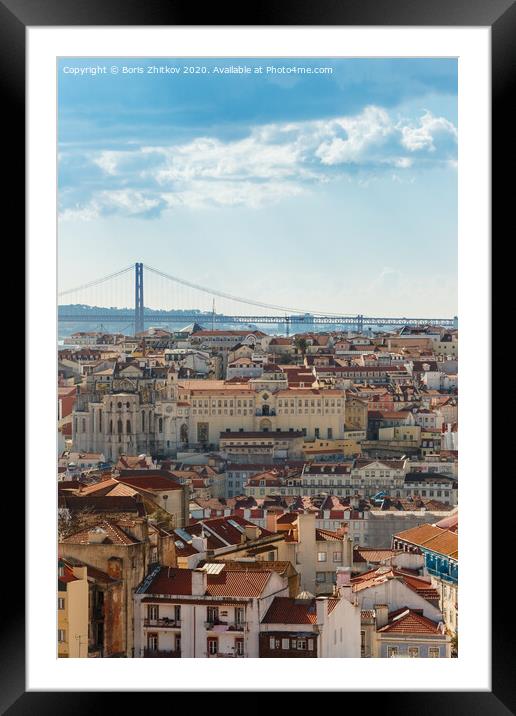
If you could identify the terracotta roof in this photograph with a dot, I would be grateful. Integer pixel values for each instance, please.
(286, 610)
(113, 534)
(220, 531)
(237, 584)
(327, 536)
(433, 538)
(168, 580)
(372, 555)
(149, 479)
(101, 503)
(408, 621)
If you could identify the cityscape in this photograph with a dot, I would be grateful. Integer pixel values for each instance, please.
(257, 439)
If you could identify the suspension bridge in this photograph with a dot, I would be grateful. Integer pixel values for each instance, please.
(105, 301)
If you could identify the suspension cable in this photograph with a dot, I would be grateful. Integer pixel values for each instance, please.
(96, 283)
(213, 292)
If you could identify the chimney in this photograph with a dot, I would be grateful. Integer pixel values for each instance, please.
(199, 582)
(270, 520)
(251, 532)
(343, 576)
(200, 543)
(321, 607)
(168, 557)
(140, 530)
(343, 585)
(381, 615)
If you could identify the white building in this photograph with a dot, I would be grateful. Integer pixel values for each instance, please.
(203, 613)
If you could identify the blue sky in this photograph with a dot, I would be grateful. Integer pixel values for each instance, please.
(332, 192)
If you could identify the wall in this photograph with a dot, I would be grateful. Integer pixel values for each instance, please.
(119, 609)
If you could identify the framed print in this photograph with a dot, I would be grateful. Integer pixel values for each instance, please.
(254, 246)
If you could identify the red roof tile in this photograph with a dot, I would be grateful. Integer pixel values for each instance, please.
(285, 610)
(408, 621)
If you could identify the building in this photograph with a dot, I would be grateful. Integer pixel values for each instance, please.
(438, 544)
(123, 551)
(72, 611)
(402, 633)
(203, 613)
(309, 627)
(158, 415)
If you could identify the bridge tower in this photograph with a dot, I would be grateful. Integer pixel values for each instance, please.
(138, 299)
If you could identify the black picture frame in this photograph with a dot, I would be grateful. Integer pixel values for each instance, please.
(500, 16)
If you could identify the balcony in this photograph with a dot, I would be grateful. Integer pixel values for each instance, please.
(160, 654)
(165, 622)
(224, 655)
(223, 626)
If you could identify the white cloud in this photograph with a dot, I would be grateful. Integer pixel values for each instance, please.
(273, 162)
(108, 161)
(422, 136)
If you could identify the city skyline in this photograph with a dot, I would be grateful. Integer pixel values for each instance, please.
(332, 192)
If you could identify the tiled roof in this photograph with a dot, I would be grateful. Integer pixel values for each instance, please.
(148, 480)
(102, 503)
(327, 536)
(286, 610)
(168, 580)
(372, 555)
(237, 584)
(221, 532)
(408, 621)
(113, 534)
(435, 539)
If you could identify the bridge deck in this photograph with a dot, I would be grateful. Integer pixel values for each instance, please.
(208, 318)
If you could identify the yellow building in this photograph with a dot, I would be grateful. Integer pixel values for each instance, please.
(72, 611)
(356, 414)
(226, 407)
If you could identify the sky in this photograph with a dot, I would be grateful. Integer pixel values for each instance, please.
(330, 191)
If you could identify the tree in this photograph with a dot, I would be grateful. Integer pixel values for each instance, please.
(69, 522)
(301, 344)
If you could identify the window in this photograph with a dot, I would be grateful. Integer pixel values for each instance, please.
(302, 644)
(239, 647)
(433, 652)
(60, 603)
(413, 652)
(239, 615)
(153, 612)
(177, 613)
(321, 556)
(212, 614)
(320, 577)
(337, 557)
(272, 642)
(213, 646)
(285, 644)
(152, 642)
(392, 651)
(61, 635)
